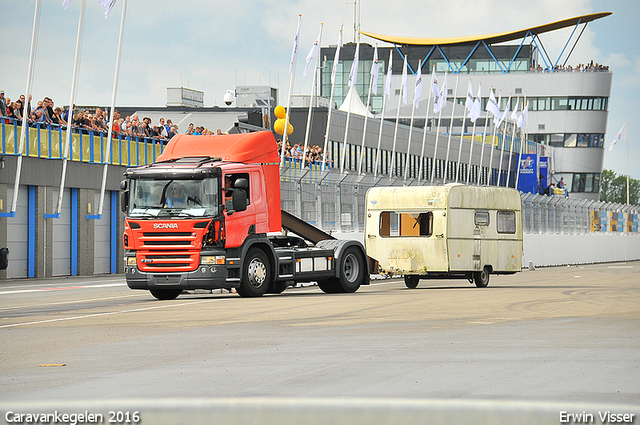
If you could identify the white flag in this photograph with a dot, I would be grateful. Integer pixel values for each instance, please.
(443, 94)
(522, 119)
(418, 89)
(108, 5)
(514, 114)
(353, 75)
(404, 82)
(65, 4)
(477, 105)
(313, 53)
(336, 58)
(387, 82)
(470, 103)
(492, 106)
(436, 92)
(295, 47)
(621, 135)
(505, 112)
(374, 71)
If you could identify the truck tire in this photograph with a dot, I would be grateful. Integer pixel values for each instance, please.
(481, 278)
(277, 287)
(411, 281)
(165, 294)
(256, 274)
(330, 286)
(352, 270)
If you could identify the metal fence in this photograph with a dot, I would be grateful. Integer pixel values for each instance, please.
(335, 202)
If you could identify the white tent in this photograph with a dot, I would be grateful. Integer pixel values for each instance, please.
(353, 104)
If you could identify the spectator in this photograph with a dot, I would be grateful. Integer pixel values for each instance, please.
(3, 104)
(58, 116)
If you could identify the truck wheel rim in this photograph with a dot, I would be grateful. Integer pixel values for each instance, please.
(351, 268)
(257, 272)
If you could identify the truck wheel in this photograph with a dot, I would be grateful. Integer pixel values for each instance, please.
(352, 270)
(165, 294)
(277, 287)
(256, 275)
(481, 278)
(411, 281)
(329, 286)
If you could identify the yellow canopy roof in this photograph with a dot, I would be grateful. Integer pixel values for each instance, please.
(487, 38)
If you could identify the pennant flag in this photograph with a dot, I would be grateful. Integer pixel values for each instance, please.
(374, 71)
(514, 114)
(295, 47)
(387, 82)
(313, 53)
(470, 102)
(492, 106)
(353, 75)
(404, 81)
(522, 119)
(621, 135)
(65, 4)
(108, 5)
(436, 92)
(505, 112)
(477, 105)
(418, 89)
(336, 58)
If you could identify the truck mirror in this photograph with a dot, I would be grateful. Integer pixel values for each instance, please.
(239, 200)
(124, 185)
(241, 183)
(124, 201)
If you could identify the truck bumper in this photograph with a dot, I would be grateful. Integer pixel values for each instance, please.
(204, 277)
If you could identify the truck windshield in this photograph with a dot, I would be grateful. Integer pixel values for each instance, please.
(174, 198)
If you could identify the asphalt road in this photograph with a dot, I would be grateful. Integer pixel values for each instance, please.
(562, 334)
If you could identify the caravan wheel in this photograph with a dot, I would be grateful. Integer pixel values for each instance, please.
(411, 281)
(481, 278)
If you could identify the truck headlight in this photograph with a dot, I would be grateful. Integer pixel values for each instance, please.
(212, 259)
(131, 261)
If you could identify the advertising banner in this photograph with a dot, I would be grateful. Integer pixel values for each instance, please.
(528, 180)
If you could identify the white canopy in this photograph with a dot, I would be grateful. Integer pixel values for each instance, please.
(353, 103)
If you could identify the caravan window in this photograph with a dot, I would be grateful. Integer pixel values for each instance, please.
(396, 224)
(481, 218)
(506, 221)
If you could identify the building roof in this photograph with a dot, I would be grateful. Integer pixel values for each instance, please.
(487, 38)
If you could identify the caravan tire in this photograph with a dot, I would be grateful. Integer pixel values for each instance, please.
(481, 278)
(411, 281)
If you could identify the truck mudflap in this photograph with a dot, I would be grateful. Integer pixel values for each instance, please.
(351, 270)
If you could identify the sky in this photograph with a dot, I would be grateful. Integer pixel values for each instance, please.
(215, 46)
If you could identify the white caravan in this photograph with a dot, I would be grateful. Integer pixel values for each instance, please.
(450, 231)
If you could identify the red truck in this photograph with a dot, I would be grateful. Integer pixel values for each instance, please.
(206, 215)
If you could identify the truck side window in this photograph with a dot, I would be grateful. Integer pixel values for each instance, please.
(230, 182)
(481, 218)
(506, 222)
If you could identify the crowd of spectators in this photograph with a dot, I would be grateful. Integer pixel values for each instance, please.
(590, 67)
(46, 113)
(312, 155)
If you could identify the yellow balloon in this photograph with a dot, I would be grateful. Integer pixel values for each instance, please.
(278, 126)
(289, 129)
(280, 112)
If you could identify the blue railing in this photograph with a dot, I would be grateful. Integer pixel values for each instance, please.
(47, 141)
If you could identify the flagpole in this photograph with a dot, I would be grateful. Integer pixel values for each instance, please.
(416, 98)
(313, 92)
(346, 125)
(435, 147)
(484, 136)
(424, 130)
(627, 124)
(366, 116)
(464, 118)
(504, 133)
(513, 139)
(292, 71)
(386, 92)
(25, 107)
(473, 132)
(395, 132)
(493, 143)
(113, 106)
(453, 109)
(333, 80)
(523, 139)
(74, 82)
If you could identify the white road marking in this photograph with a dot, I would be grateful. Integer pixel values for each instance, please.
(60, 288)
